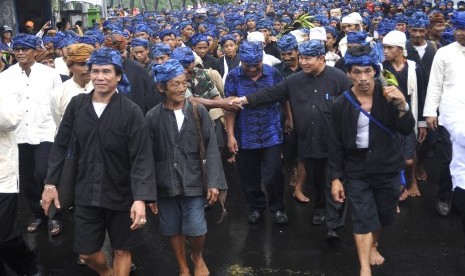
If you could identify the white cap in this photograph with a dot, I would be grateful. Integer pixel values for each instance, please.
(318, 33)
(299, 36)
(353, 18)
(396, 38)
(255, 37)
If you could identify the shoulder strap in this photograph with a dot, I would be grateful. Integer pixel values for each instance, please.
(373, 119)
(203, 158)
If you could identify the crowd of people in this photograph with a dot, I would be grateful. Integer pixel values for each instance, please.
(349, 96)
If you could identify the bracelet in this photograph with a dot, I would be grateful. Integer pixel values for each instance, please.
(49, 187)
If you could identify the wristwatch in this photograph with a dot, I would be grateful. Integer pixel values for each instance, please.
(405, 109)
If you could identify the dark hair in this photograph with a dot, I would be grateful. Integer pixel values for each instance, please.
(357, 51)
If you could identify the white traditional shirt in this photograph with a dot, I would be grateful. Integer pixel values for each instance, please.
(10, 117)
(446, 82)
(446, 90)
(34, 91)
(61, 67)
(61, 96)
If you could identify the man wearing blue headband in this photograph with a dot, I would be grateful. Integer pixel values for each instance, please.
(181, 187)
(118, 180)
(140, 50)
(34, 82)
(422, 51)
(311, 116)
(14, 251)
(255, 136)
(445, 91)
(201, 46)
(161, 53)
(364, 155)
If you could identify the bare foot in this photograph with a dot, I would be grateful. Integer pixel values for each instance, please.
(421, 174)
(201, 268)
(300, 197)
(413, 191)
(375, 257)
(403, 195)
(185, 273)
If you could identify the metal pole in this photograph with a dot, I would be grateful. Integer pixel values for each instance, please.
(104, 9)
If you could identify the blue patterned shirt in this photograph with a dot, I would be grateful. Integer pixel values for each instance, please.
(260, 127)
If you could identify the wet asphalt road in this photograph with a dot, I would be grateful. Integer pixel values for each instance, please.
(420, 243)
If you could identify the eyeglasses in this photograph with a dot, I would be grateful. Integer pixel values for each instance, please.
(19, 50)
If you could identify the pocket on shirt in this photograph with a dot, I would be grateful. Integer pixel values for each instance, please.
(192, 173)
(116, 141)
(162, 175)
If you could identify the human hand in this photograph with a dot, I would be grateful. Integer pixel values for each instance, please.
(226, 104)
(422, 134)
(238, 102)
(49, 197)
(212, 195)
(432, 122)
(153, 207)
(138, 214)
(288, 126)
(337, 190)
(393, 94)
(232, 144)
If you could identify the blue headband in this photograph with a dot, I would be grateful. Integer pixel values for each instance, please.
(104, 56)
(458, 19)
(287, 43)
(136, 42)
(143, 28)
(65, 42)
(197, 38)
(26, 41)
(167, 71)
(87, 39)
(184, 55)
(264, 24)
(47, 39)
(356, 37)
(419, 20)
(313, 48)
(226, 38)
(160, 49)
(184, 24)
(370, 59)
(166, 33)
(331, 30)
(385, 26)
(251, 53)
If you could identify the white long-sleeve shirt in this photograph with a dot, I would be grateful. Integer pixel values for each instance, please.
(62, 95)
(10, 117)
(34, 90)
(447, 82)
(446, 91)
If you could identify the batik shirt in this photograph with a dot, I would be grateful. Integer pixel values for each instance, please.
(259, 127)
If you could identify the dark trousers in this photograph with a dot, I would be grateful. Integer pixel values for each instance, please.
(32, 173)
(255, 166)
(443, 157)
(459, 203)
(14, 251)
(317, 174)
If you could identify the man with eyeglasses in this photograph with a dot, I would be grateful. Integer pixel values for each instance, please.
(34, 82)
